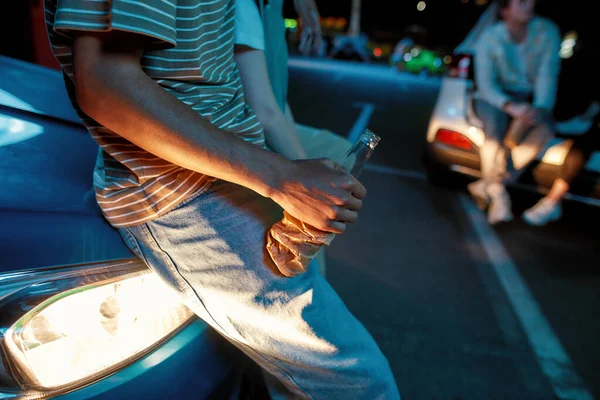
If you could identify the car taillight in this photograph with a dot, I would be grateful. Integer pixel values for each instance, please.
(453, 139)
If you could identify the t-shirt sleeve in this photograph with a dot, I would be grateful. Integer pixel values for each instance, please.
(248, 25)
(152, 18)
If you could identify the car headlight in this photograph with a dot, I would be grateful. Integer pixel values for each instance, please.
(89, 328)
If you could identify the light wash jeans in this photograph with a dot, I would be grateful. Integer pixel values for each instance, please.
(211, 249)
(495, 157)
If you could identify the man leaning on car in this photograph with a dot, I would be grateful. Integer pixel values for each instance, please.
(184, 175)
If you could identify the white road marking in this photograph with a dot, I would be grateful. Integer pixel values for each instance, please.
(552, 358)
(405, 173)
(361, 122)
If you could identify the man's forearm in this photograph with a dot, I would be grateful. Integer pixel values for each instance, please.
(282, 136)
(131, 104)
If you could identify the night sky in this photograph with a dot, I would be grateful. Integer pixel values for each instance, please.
(448, 21)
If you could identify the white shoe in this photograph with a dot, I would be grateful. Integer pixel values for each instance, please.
(544, 211)
(478, 191)
(500, 206)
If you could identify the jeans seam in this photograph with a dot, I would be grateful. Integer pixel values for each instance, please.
(133, 242)
(174, 269)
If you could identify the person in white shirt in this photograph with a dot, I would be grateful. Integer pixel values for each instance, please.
(516, 72)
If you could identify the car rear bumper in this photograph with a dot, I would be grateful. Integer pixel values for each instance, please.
(453, 159)
(539, 177)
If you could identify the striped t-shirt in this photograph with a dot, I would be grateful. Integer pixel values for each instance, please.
(191, 57)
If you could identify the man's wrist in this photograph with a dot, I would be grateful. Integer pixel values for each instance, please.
(271, 175)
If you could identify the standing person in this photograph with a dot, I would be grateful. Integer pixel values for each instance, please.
(311, 39)
(280, 133)
(516, 71)
(293, 141)
(275, 43)
(183, 174)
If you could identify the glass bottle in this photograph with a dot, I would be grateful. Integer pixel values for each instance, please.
(360, 152)
(291, 243)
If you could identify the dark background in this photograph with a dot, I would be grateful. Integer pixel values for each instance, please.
(448, 21)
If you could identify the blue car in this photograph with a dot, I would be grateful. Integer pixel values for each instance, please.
(80, 316)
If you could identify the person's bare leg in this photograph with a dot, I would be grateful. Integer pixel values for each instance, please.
(493, 164)
(549, 208)
(560, 187)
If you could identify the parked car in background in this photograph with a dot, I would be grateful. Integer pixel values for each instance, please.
(455, 133)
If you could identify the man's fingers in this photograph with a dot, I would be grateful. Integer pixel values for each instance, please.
(336, 227)
(345, 215)
(352, 203)
(355, 187)
(530, 119)
(360, 191)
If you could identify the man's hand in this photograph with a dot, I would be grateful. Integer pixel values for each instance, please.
(522, 111)
(318, 193)
(312, 38)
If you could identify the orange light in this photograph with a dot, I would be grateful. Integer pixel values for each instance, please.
(340, 23)
(330, 22)
(377, 52)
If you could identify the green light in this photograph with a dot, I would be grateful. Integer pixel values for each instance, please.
(291, 23)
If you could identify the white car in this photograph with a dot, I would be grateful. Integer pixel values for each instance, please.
(455, 134)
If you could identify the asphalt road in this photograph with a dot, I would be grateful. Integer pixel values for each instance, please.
(461, 310)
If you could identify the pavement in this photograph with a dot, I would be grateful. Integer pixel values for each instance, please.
(461, 310)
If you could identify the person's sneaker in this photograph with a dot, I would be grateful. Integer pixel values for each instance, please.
(500, 206)
(479, 193)
(546, 210)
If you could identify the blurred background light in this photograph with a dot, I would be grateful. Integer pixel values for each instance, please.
(291, 23)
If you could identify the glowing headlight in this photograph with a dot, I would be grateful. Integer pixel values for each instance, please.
(85, 331)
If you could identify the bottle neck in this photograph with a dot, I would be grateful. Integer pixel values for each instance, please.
(360, 152)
